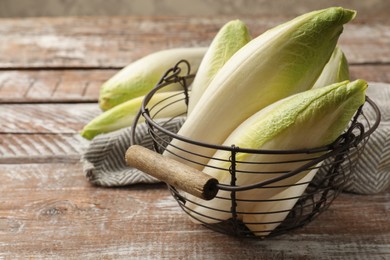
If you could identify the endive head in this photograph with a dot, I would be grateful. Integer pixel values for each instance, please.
(305, 120)
(336, 70)
(318, 29)
(112, 119)
(140, 76)
(162, 105)
(229, 39)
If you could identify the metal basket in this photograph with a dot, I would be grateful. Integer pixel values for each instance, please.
(332, 165)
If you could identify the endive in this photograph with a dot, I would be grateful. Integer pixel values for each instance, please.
(336, 70)
(229, 39)
(282, 61)
(139, 77)
(162, 105)
(305, 120)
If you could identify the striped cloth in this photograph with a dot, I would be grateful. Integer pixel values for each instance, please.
(104, 162)
(104, 159)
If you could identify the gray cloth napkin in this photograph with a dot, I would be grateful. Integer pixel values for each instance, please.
(104, 159)
(104, 162)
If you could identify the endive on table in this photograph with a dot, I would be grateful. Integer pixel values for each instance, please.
(309, 119)
(282, 61)
(139, 77)
(163, 105)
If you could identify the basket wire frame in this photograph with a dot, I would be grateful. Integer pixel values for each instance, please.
(333, 164)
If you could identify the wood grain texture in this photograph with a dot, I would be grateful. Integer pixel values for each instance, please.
(95, 42)
(19, 86)
(370, 73)
(41, 148)
(50, 86)
(51, 211)
(114, 42)
(43, 133)
(46, 118)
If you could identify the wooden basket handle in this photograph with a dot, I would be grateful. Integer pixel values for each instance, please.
(172, 172)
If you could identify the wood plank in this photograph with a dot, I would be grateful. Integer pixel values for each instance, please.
(94, 42)
(107, 42)
(41, 148)
(370, 73)
(46, 118)
(43, 133)
(51, 85)
(51, 211)
(27, 86)
(366, 43)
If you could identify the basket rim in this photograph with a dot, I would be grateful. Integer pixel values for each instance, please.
(343, 142)
(145, 113)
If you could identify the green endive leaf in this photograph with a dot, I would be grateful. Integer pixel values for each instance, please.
(229, 39)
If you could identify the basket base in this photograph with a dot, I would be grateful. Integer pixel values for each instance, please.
(306, 209)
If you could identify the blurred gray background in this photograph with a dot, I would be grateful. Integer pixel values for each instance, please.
(379, 9)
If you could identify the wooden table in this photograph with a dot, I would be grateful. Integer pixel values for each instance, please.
(50, 73)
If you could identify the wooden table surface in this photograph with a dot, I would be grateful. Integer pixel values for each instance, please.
(50, 73)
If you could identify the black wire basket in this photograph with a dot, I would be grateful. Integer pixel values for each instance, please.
(321, 173)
